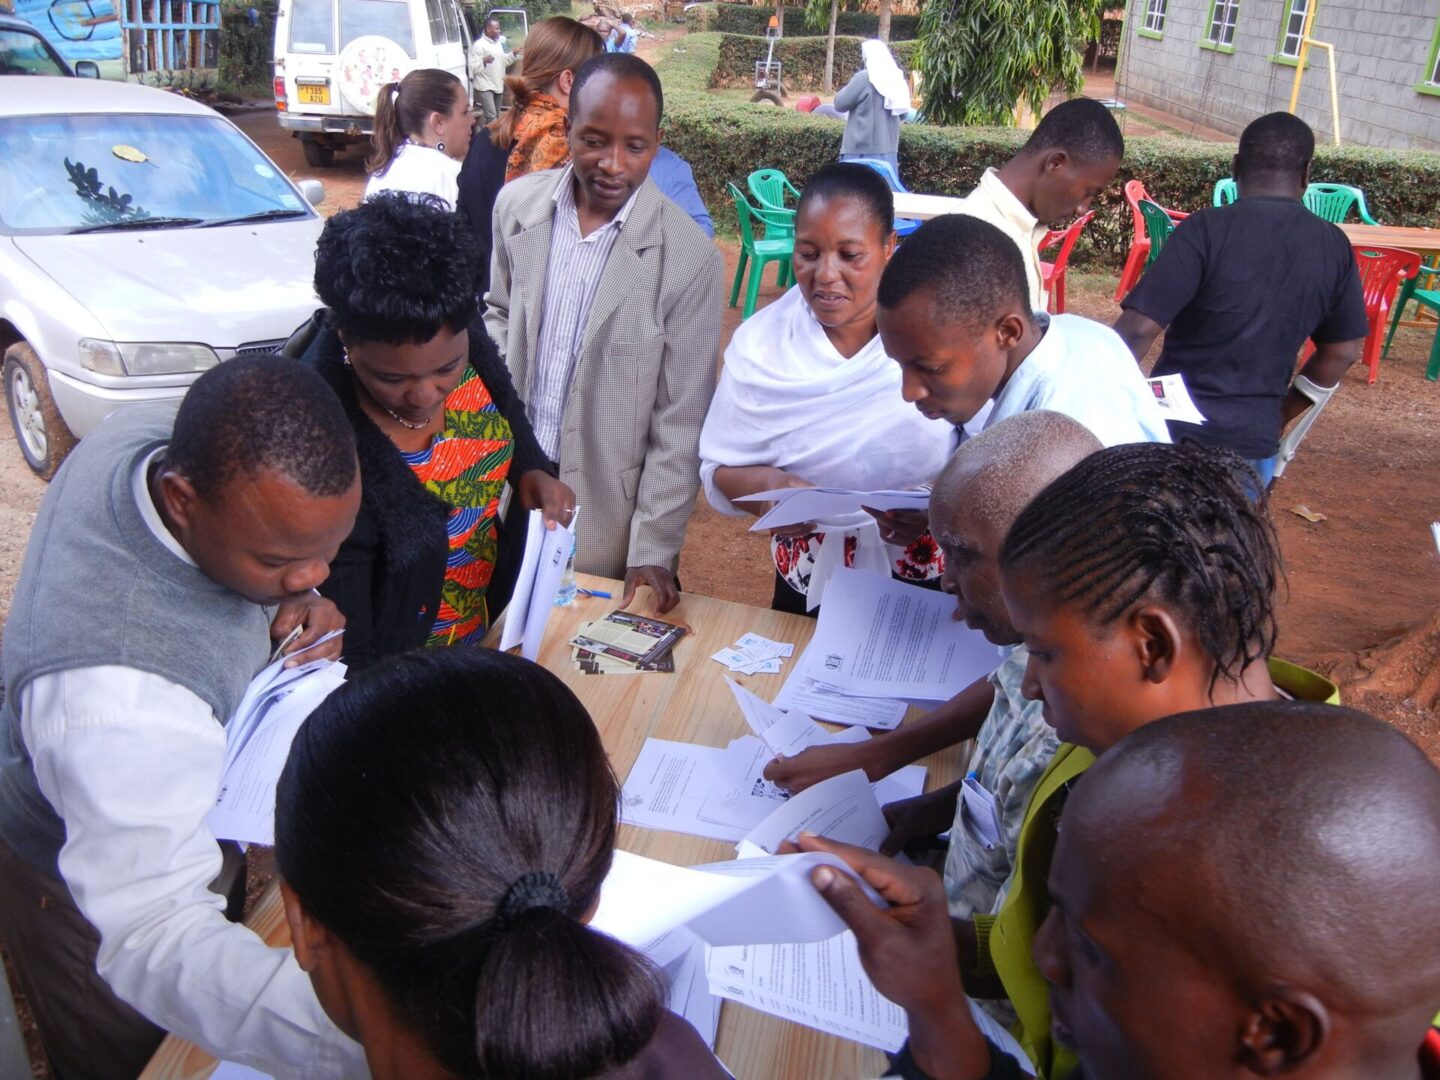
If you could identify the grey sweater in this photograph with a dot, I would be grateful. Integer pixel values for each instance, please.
(870, 128)
(97, 587)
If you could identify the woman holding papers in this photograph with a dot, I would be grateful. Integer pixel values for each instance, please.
(439, 427)
(809, 397)
(452, 941)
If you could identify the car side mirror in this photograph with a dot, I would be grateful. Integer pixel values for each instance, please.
(313, 190)
(87, 69)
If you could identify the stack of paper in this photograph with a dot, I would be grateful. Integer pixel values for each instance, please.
(543, 565)
(755, 655)
(625, 643)
(1175, 400)
(257, 742)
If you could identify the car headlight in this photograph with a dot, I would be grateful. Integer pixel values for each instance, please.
(144, 358)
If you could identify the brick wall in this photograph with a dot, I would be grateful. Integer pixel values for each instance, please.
(1381, 51)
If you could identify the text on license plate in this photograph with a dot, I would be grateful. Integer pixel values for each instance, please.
(314, 95)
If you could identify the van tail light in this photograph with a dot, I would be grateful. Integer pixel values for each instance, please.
(280, 92)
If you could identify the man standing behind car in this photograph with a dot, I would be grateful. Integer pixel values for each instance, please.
(170, 549)
(489, 60)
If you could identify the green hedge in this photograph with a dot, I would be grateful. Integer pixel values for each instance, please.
(247, 48)
(744, 19)
(725, 141)
(802, 60)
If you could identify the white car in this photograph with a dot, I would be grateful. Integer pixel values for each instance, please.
(143, 239)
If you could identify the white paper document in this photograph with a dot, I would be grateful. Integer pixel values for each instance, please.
(802, 694)
(543, 565)
(257, 742)
(743, 797)
(842, 808)
(979, 813)
(1175, 400)
(821, 985)
(741, 902)
(228, 1070)
(796, 505)
(668, 785)
(878, 637)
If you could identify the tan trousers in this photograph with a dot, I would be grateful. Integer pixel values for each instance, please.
(88, 1032)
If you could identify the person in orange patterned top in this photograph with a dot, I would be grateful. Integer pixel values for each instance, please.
(438, 426)
(533, 130)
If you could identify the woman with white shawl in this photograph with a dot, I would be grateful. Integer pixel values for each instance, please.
(874, 101)
(808, 397)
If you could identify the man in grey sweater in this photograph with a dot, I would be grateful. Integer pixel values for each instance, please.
(169, 550)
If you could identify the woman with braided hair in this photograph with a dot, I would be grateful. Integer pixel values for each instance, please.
(443, 826)
(1142, 583)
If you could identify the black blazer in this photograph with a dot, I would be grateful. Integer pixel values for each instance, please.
(482, 175)
(387, 577)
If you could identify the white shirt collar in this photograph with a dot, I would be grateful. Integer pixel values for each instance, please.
(1006, 201)
(153, 521)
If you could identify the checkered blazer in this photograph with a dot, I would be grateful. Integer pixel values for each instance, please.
(630, 432)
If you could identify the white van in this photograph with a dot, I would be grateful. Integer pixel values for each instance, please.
(333, 56)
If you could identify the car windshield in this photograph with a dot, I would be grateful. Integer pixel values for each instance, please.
(63, 173)
(26, 54)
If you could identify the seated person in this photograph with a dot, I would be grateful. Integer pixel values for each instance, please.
(1238, 289)
(1072, 155)
(1142, 584)
(181, 533)
(439, 428)
(1215, 894)
(452, 941)
(954, 313)
(976, 499)
(808, 397)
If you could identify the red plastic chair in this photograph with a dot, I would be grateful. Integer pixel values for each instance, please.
(1053, 273)
(1381, 272)
(1140, 242)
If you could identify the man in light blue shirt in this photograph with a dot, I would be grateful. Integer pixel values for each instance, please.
(676, 180)
(623, 38)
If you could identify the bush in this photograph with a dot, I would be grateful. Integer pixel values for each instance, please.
(247, 46)
(802, 60)
(744, 19)
(725, 141)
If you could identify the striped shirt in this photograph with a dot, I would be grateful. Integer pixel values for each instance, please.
(571, 280)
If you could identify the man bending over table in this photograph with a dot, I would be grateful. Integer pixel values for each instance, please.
(1239, 288)
(169, 551)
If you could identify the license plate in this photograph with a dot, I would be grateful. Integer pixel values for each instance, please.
(313, 95)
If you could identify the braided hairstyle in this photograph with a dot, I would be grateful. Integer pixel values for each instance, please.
(1154, 522)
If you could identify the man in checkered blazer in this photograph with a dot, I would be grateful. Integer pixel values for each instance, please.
(605, 298)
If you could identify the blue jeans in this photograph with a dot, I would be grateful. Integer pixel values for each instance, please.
(1265, 469)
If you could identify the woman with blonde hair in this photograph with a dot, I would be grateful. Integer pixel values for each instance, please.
(534, 130)
(422, 134)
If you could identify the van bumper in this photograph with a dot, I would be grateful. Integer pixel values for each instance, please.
(358, 126)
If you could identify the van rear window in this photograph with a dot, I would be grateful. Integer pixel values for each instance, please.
(312, 26)
(387, 18)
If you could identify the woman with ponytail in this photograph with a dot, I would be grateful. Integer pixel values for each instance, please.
(533, 131)
(422, 134)
(443, 826)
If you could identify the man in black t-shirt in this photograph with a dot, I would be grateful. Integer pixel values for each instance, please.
(1238, 289)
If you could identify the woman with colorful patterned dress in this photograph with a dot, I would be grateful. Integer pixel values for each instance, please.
(809, 397)
(438, 427)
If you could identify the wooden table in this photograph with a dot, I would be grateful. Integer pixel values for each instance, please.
(692, 705)
(1394, 236)
(917, 207)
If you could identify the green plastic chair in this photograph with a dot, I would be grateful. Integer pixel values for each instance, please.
(770, 249)
(1225, 192)
(1333, 202)
(769, 188)
(1429, 298)
(1158, 227)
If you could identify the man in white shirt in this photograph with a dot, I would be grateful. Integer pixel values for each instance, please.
(168, 552)
(1070, 157)
(489, 60)
(954, 312)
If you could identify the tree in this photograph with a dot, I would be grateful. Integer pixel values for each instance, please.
(815, 11)
(883, 30)
(982, 58)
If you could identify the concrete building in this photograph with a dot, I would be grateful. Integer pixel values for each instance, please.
(1224, 62)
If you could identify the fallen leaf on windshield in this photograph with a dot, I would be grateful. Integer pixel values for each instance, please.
(129, 153)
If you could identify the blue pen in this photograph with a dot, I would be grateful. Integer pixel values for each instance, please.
(595, 592)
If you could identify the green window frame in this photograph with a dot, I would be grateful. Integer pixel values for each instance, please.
(1153, 24)
(1292, 29)
(1431, 83)
(1221, 33)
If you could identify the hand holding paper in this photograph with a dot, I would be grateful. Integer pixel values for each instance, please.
(546, 552)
